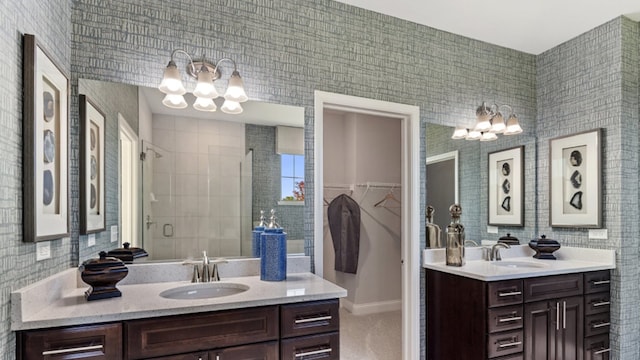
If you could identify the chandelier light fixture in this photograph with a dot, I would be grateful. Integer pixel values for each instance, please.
(206, 74)
(490, 122)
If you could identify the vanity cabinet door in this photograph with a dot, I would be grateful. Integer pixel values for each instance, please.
(78, 342)
(197, 332)
(554, 329)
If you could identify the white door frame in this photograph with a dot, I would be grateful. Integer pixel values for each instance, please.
(410, 223)
(128, 157)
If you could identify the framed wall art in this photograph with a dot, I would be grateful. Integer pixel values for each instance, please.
(574, 180)
(92, 205)
(506, 183)
(45, 146)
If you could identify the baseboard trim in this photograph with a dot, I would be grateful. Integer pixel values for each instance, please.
(372, 307)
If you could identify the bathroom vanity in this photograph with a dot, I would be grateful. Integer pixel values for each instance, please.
(520, 308)
(293, 319)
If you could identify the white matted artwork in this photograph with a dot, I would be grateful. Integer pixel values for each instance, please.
(45, 146)
(506, 205)
(575, 175)
(92, 204)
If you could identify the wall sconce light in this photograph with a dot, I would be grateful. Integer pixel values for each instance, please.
(206, 74)
(489, 122)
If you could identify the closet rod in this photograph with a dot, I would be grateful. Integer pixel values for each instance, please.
(379, 185)
(339, 186)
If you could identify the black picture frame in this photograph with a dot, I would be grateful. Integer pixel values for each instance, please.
(92, 165)
(46, 145)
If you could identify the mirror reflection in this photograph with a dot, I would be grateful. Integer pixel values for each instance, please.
(472, 185)
(205, 176)
(441, 180)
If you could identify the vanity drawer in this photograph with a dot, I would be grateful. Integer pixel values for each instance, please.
(596, 324)
(78, 342)
(597, 348)
(309, 318)
(597, 281)
(314, 347)
(508, 292)
(505, 318)
(552, 287)
(597, 303)
(187, 333)
(505, 343)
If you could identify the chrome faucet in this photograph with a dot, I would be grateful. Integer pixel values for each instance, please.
(495, 251)
(202, 271)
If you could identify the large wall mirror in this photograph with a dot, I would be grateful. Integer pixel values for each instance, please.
(204, 177)
(472, 158)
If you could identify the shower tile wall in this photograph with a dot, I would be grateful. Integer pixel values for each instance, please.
(196, 184)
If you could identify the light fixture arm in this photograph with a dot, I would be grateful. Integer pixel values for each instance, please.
(235, 68)
(174, 52)
(507, 106)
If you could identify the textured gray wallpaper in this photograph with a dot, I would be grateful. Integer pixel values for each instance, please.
(287, 49)
(592, 82)
(50, 22)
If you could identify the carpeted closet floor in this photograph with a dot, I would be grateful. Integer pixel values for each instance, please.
(370, 337)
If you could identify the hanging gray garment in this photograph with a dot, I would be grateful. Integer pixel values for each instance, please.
(344, 223)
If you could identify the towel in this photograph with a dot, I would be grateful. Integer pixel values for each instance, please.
(344, 223)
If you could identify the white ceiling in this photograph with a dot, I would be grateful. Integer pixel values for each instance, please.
(531, 26)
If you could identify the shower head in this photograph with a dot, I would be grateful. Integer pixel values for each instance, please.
(157, 155)
(143, 155)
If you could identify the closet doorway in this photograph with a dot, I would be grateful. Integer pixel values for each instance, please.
(379, 171)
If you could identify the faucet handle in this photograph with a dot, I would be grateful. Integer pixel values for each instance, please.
(195, 278)
(495, 250)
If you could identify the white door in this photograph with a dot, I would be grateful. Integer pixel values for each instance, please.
(128, 181)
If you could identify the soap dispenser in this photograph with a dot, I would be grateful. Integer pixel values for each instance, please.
(257, 232)
(273, 251)
(434, 239)
(455, 238)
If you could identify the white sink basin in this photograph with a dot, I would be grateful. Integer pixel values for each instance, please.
(519, 264)
(204, 291)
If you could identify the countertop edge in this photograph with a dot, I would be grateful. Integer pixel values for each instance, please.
(570, 260)
(455, 271)
(310, 287)
(110, 318)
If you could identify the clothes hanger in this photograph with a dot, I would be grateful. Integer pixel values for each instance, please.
(387, 197)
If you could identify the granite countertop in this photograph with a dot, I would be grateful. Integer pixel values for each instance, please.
(59, 300)
(569, 260)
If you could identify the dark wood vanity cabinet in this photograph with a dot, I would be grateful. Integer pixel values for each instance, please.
(553, 317)
(79, 342)
(300, 331)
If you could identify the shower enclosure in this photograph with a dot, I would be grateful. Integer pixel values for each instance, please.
(195, 202)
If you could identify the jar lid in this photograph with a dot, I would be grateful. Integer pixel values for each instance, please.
(103, 262)
(127, 253)
(543, 240)
(510, 240)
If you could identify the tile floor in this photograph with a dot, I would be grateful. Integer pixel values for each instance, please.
(370, 337)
